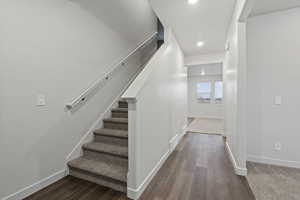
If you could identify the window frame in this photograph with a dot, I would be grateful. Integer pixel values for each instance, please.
(212, 99)
(204, 100)
(218, 100)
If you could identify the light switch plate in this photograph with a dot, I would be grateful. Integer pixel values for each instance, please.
(41, 100)
(277, 146)
(278, 100)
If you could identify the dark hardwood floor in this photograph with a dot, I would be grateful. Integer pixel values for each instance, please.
(71, 188)
(199, 169)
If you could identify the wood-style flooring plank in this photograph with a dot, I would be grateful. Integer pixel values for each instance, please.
(199, 169)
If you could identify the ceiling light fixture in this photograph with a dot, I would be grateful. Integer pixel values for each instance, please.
(192, 1)
(200, 44)
(202, 72)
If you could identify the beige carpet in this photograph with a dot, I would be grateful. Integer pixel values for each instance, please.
(274, 183)
(105, 159)
(205, 125)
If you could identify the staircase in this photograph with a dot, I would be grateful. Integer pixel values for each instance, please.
(105, 160)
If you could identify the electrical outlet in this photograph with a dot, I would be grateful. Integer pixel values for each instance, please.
(277, 146)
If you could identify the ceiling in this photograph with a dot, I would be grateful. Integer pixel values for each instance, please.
(266, 6)
(207, 21)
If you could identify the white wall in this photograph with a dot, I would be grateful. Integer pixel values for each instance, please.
(58, 48)
(213, 72)
(159, 113)
(273, 70)
(161, 108)
(205, 59)
(234, 91)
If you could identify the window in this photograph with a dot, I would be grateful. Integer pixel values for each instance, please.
(204, 92)
(210, 90)
(218, 91)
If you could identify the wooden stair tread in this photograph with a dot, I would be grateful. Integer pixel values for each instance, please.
(108, 148)
(112, 133)
(116, 120)
(117, 171)
(125, 110)
(105, 160)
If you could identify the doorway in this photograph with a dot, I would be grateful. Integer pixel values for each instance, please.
(205, 99)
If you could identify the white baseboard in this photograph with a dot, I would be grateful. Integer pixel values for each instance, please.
(177, 138)
(184, 128)
(136, 193)
(183, 133)
(173, 142)
(238, 170)
(272, 161)
(25, 192)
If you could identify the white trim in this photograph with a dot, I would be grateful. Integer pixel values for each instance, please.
(27, 191)
(272, 161)
(184, 132)
(132, 127)
(238, 170)
(136, 193)
(247, 9)
(184, 128)
(173, 142)
(177, 138)
(180, 138)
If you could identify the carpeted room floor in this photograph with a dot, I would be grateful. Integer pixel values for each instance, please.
(270, 182)
(207, 126)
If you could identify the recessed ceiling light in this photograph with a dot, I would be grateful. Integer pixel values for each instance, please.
(202, 72)
(192, 1)
(200, 44)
